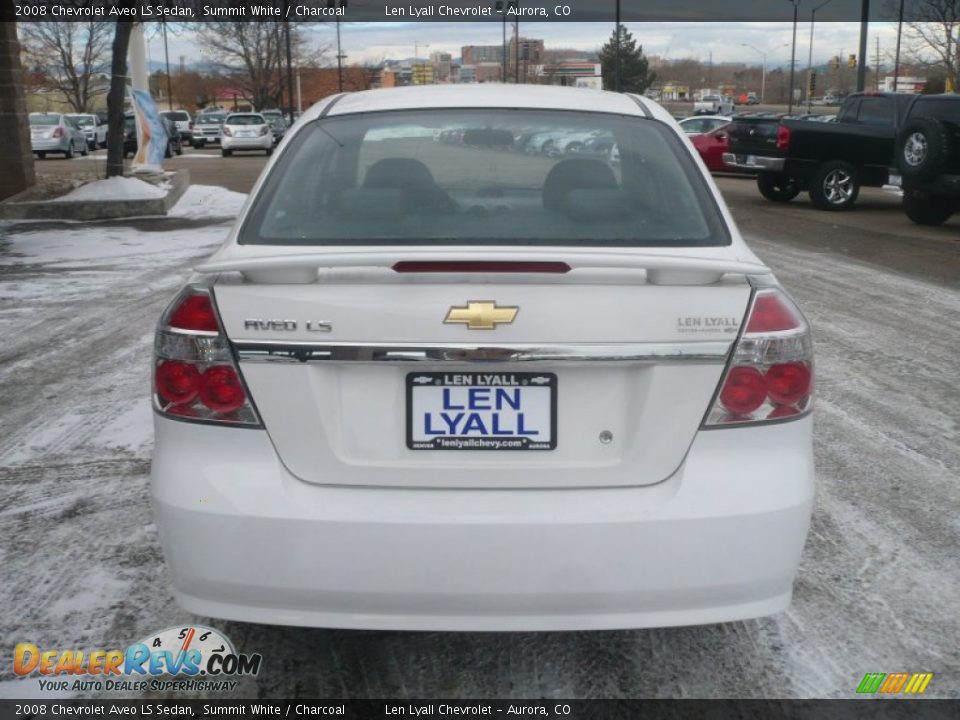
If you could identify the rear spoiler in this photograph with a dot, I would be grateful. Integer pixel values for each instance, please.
(304, 268)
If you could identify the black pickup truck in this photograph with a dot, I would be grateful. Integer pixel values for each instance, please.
(878, 138)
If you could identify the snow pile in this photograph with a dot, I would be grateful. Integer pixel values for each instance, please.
(208, 201)
(116, 188)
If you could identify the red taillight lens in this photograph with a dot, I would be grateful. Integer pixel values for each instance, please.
(177, 382)
(744, 390)
(58, 132)
(195, 373)
(195, 312)
(788, 383)
(263, 130)
(771, 368)
(221, 390)
(770, 313)
(227, 131)
(783, 138)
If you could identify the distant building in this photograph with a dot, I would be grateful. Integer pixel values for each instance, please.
(675, 92)
(442, 66)
(422, 74)
(486, 72)
(905, 84)
(573, 74)
(467, 74)
(475, 54)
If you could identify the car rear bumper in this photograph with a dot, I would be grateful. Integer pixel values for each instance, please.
(260, 142)
(754, 162)
(52, 145)
(720, 540)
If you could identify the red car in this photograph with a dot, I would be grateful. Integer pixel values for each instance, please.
(711, 146)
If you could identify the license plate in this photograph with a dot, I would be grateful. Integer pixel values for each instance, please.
(481, 411)
(751, 159)
(244, 133)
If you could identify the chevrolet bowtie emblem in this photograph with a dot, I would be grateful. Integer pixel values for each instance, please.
(481, 315)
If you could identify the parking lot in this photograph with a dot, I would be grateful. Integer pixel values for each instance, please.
(877, 585)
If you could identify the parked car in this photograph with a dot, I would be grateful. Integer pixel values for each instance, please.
(130, 143)
(278, 127)
(702, 124)
(617, 436)
(246, 131)
(712, 146)
(207, 128)
(714, 105)
(831, 160)
(183, 122)
(93, 128)
(56, 133)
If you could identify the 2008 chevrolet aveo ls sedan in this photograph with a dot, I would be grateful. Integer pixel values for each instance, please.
(434, 381)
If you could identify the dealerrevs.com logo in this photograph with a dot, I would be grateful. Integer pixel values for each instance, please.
(189, 658)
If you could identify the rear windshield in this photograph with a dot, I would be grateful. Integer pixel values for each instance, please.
(245, 120)
(211, 118)
(176, 115)
(44, 119)
(485, 177)
(82, 120)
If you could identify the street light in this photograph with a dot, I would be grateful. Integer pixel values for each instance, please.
(813, 17)
(763, 75)
(793, 54)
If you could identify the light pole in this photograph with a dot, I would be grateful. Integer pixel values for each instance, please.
(763, 75)
(793, 54)
(813, 18)
(896, 62)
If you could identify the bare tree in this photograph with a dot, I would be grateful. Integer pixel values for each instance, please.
(70, 57)
(251, 56)
(17, 172)
(931, 37)
(118, 91)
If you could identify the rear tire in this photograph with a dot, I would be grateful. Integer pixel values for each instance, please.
(226, 153)
(924, 209)
(778, 188)
(269, 152)
(835, 186)
(42, 155)
(923, 148)
(69, 153)
(85, 151)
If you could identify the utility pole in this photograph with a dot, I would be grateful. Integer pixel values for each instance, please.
(896, 61)
(516, 51)
(813, 19)
(286, 32)
(876, 72)
(793, 55)
(864, 27)
(616, 49)
(166, 56)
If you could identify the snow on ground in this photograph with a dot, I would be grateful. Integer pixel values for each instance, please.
(116, 188)
(208, 201)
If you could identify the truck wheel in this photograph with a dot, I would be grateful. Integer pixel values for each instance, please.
(923, 148)
(778, 188)
(835, 186)
(926, 209)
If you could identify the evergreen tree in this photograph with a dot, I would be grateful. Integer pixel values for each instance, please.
(635, 74)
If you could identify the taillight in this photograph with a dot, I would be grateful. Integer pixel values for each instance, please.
(227, 131)
(770, 375)
(58, 132)
(195, 374)
(783, 138)
(263, 129)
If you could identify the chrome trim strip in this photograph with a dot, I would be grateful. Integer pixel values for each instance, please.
(703, 352)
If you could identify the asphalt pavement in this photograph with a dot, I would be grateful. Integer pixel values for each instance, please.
(877, 589)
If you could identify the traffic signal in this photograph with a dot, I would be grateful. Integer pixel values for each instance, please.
(835, 62)
(812, 85)
(852, 61)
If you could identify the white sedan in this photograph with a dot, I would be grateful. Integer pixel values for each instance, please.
(444, 386)
(701, 124)
(245, 131)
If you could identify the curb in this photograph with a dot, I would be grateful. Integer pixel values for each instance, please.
(12, 209)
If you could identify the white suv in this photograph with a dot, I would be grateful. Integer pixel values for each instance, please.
(445, 385)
